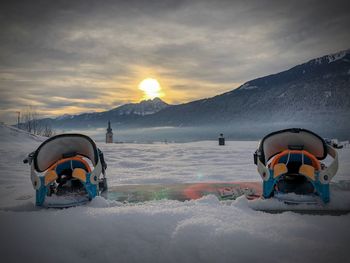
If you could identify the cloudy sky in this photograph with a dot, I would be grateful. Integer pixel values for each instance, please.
(78, 56)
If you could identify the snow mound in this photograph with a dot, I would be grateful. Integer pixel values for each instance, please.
(15, 145)
(9, 134)
(170, 231)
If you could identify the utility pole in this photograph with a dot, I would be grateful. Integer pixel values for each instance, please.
(18, 118)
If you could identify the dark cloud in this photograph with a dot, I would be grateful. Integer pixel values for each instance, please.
(98, 50)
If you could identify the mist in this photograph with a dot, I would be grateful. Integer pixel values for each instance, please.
(239, 132)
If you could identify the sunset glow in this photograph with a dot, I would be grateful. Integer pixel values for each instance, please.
(80, 64)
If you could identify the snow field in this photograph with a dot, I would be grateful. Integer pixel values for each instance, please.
(204, 230)
(178, 163)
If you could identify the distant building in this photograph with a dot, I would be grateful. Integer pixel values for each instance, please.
(109, 134)
(221, 139)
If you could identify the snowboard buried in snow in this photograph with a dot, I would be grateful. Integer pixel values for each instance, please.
(340, 201)
(183, 192)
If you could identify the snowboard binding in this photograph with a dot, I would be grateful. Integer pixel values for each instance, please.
(289, 163)
(66, 171)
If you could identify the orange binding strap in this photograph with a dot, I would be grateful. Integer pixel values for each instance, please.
(315, 163)
(75, 158)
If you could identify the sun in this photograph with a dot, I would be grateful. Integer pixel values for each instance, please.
(151, 88)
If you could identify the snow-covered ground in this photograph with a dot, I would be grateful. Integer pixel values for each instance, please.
(204, 230)
(180, 162)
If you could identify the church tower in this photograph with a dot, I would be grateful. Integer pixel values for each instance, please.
(109, 134)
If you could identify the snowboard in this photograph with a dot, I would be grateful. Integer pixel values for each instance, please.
(66, 201)
(185, 191)
(224, 191)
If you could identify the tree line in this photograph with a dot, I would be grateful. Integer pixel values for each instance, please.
(29, 120)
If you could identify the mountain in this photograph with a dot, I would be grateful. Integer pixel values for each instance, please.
(314, 95)
(145, 107)
(125, 113)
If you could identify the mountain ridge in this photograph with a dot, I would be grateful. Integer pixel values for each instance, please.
(145, 107)
(124, 112)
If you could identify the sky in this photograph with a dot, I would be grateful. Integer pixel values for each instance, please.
(68, 57)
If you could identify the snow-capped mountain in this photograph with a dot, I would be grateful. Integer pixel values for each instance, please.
(145, 107)
(64, 117)
(331, 58)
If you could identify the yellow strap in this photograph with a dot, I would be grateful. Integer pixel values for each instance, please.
(308, 171)
(50, 176)
(80, 174)
(279, 169)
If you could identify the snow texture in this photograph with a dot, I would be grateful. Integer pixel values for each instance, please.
(247, 86)
(204, 230)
